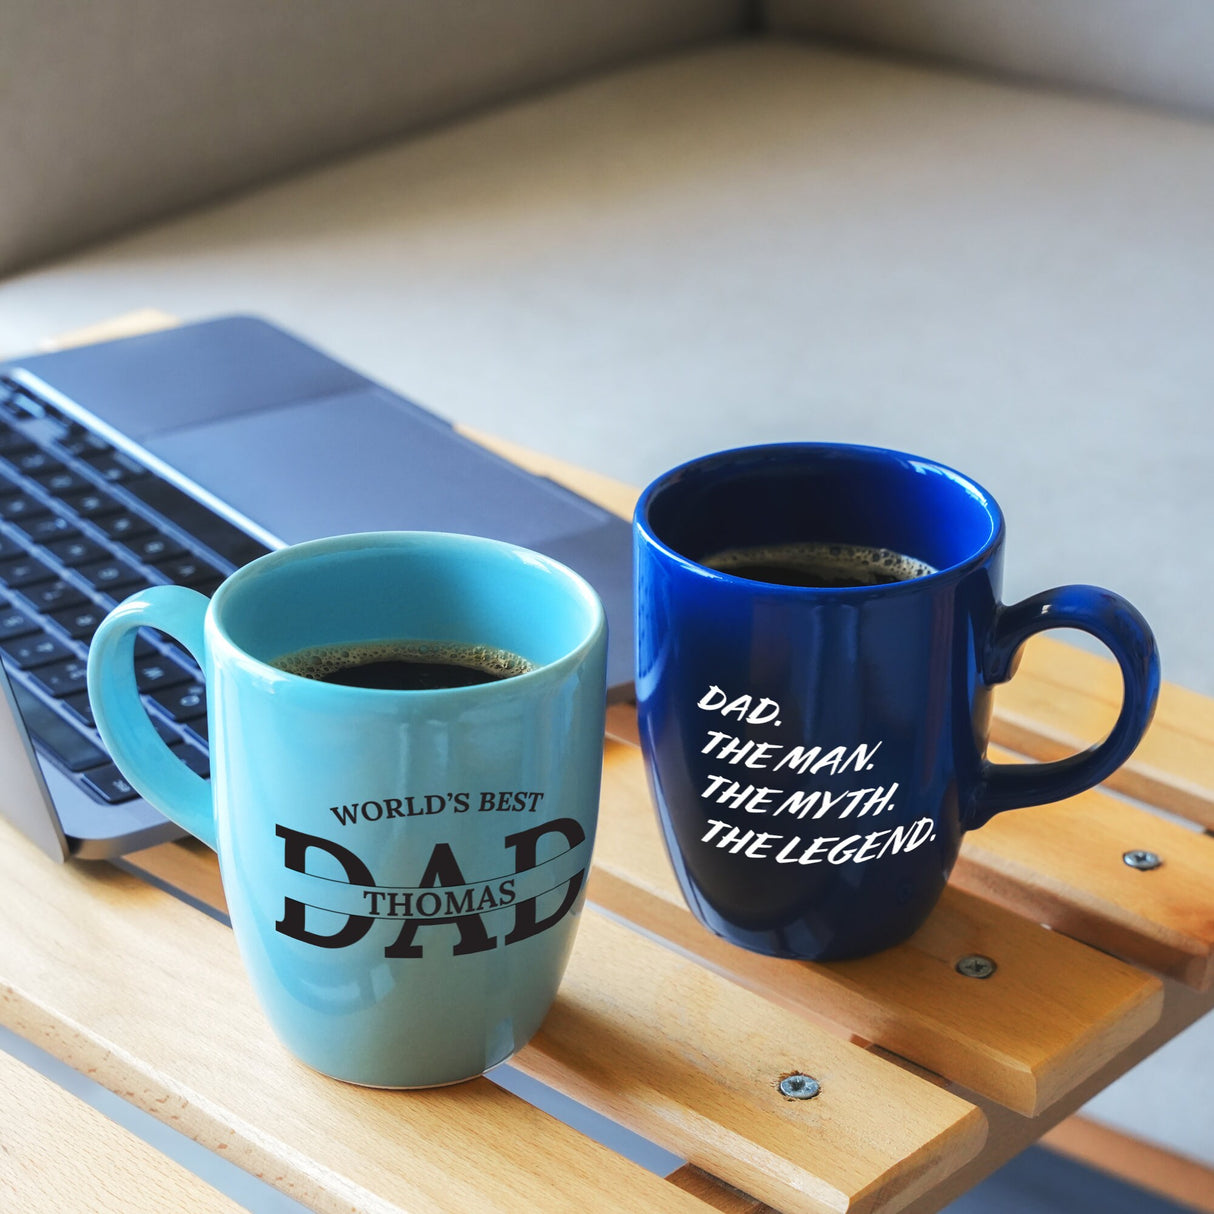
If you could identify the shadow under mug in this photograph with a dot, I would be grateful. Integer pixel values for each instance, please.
(815, 754)
(404, 869)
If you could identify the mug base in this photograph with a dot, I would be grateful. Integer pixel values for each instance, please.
(774, 944)
(404, 1087)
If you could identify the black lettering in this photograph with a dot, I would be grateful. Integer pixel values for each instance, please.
(392, 805)
(372, 817)
(461, 802)
(526, 853)
(488, 802)
(460, 904)
(296, 845)
(346, 815)
(431, 808)
(442, 869)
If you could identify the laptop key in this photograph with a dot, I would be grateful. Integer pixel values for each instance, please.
(53, 596)
(58, 481)
(114, 466)
(79, 622)
(24, 571)
(30, 652)
(223, 538)
(91, 504)
(109, 784)
(185, 703)
(154, 547)
(194, 759)
(62, 678)
(165, 730)
(186, 660)
(188, 570)
(20, 506)
(78, 440)
(80, 708)
(198, 728)
(12, 441)
(154, 673)
(109, 574)
(14, 623)
(77, 549)
(35, 461)
(46, 527)
(124, 525)
(57, 737)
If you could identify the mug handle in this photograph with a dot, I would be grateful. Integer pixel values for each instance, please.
(140, 752)
(1119, 625)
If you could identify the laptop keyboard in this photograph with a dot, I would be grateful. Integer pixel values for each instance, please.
(83, 525)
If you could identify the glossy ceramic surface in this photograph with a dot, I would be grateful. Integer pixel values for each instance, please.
(816, 754)
(405, 870)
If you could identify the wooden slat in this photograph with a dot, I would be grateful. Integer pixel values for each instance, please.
(1176, 1177)
(1010, 1133)
(1055, 1011)
(661, 1063)
(130, 324)
(692, 1061)
(188, 866)
(148, 996)
(59, 1154)
(716, 1195)
(1062, 865)
(1063, 699)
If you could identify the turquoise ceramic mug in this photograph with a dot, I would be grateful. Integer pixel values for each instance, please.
(404, 869)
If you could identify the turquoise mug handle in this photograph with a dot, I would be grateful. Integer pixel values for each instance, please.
(141, 754)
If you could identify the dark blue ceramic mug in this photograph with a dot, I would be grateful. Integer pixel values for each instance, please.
(815, 732)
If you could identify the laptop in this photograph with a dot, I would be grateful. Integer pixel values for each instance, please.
(177, 457)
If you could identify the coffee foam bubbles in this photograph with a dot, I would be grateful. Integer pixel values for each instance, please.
(843, 558)
(320, 661)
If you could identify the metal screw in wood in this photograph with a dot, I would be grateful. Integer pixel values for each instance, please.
(975, 965)
(799, 1087)
(1144, 861)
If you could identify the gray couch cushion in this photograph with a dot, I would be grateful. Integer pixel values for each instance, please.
(113, 112)
(1159, 51)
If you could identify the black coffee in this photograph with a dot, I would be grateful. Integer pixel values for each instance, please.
(404, 665)
(831, 566)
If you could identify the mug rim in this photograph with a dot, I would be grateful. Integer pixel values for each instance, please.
(361, 540)
(957, 570)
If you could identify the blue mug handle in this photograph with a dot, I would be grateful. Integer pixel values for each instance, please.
(1116, 623)
(141, 754)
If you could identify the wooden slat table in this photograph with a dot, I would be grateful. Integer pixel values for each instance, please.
(930, 1080)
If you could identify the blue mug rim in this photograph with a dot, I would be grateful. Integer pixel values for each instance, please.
(705, 463)
(573, 581)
